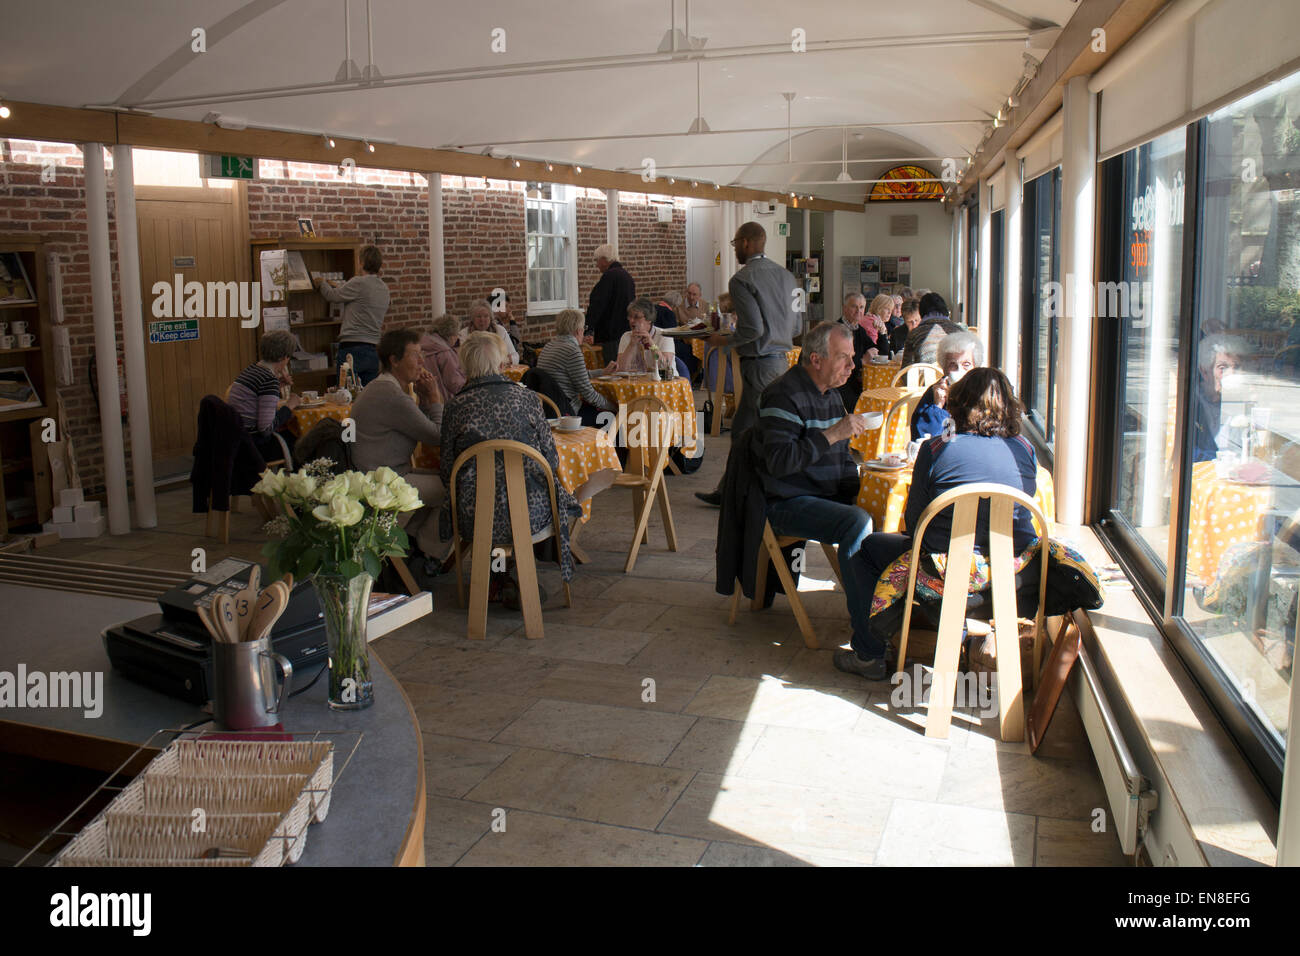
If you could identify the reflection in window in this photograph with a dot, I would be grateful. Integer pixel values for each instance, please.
(1243, 535)
(1043, 298)
(1141, 310)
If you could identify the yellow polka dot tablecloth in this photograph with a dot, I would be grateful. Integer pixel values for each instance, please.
(792, 357)
(883, 495)
(588, 463)
(900, 433)
(304, 418)
(514, 372)
(880, 375)
(1221, 513)
(594, 356)
(675, 393)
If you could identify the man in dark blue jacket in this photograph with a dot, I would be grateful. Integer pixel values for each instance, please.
(808, 475)
(607, 306)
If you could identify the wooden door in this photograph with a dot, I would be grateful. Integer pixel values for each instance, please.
(209, 227)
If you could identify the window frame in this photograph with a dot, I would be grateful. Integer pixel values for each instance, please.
(1042, 427)
(566, 209)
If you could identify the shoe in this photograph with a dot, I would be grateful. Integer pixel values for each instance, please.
(710, 498)
(849, 662)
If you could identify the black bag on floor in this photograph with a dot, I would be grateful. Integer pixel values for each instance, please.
(687, 466)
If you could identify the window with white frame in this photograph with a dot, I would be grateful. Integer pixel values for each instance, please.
(549, 241)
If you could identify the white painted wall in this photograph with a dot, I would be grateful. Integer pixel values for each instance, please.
(867, 234)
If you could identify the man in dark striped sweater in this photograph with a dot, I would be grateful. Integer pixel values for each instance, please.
(809, 477)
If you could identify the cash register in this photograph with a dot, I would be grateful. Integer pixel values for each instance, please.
(171, 651)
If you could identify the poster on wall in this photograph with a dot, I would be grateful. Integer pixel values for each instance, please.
(886, 289)
(905, 270)
(870, 268)
(870, 290)
(851, 288)
(850, 269)
(889, 269)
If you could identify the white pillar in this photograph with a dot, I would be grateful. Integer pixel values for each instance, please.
(984, 265)
(1011, 268)
(807, 233)
(137, 380)
(1074, 354)
(726, 253)
(955, 244)
(437, 260)
(101, 284)
(611, 218)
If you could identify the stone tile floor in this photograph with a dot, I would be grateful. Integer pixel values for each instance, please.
(643, 730)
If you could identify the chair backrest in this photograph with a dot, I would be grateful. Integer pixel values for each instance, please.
(904, 406)
(651, 430)
(965, 501)
(917, 375)
(544, 384)
(485, 490)
(548, 405)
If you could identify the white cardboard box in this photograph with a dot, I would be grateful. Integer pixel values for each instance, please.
(90, 529)
(70, 498)
(86, 512)
(63, 514)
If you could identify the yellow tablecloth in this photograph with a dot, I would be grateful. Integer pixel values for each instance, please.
(1221, 513)
(514, 372)
(594, 356)
(883, 495)
(792, 357)
(588, 464)
(881, 400)
(675, 393)
(879, 376)
(304, 418)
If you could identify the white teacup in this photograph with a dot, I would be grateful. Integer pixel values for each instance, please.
(570, 422)
(4, 328)
(6, 341)
(310, 396)
(19, 328)
(26, 341)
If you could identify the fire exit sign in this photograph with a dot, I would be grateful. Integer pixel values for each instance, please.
(229, 167)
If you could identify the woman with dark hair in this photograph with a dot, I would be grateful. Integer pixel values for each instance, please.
(987, 447)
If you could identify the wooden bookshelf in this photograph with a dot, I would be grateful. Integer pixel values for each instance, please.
(24, 504)
(317, 332)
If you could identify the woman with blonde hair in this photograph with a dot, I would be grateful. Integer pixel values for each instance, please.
(562, 360)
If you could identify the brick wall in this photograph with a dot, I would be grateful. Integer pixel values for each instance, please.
(483, 235)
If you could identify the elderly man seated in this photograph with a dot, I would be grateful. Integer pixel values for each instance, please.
(390, 425)
(808, 476)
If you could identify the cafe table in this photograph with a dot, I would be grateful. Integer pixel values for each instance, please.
(594, 357)
(881, 400)
(792, 357)
(514, 372)
(880, 374)
(1223, 512)
(675, 393)
(588, 464)
(304, 417)
(883, 495)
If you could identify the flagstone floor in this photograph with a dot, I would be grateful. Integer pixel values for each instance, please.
(643, 730)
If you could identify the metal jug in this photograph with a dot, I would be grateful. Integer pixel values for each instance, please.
(243, 677)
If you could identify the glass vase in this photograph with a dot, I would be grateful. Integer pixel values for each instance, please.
(344, 602)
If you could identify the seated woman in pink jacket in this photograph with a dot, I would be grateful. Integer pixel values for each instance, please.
(438, 349)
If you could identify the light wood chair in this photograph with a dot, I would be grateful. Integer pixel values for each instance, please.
(548, 405)
(905, 406)
(644, 471)
(770, 552)
(965, 502)
(484, 455)
(917, 375)
(720, 383)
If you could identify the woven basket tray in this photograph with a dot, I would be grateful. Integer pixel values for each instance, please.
(251, 800)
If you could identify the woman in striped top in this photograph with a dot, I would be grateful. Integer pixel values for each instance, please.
(255, 394)
(562, 360)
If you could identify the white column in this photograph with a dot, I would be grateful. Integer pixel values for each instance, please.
(741, 216)
(437, 260)
(1074, 354)
(955, 245)
(806, 251)
(984, 264)
(1011, 269)
(611, 217)
(726, 231)
(101, 285)
(137, 381)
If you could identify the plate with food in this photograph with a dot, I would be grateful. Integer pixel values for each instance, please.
(888, 463)
(1251, 473)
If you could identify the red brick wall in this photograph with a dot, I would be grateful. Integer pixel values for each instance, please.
(483, 233)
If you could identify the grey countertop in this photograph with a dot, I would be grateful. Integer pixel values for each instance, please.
(373, 800)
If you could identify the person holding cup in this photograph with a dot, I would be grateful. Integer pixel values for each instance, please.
(255, 395)
(643, 348)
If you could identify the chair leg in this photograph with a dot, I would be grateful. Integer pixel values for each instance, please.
(480, 575)
(735, 603)
(525, 563)
(1006, 625)
(666, 513)
(644, 503)
(225, 527)
(403, 572)
(760, 574)
(952, 616)
(833, 557)
(791, 590)
(234, 503)
(457, 550)
(208, 519)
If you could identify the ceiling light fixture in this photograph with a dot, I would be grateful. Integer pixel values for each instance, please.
(844, 176)
(671, 181)
(695, 184)
(4, 110)
(369, 145)
(550, 167)
(517, 163)
(329, 140)
(577, 169)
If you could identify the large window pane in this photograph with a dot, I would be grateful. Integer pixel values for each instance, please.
(1043, 299)
(996, 317)
(1140, 308)
(1243, 535)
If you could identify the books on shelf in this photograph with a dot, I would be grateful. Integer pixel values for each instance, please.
(16, 390)
(281, 270)
(15, 287)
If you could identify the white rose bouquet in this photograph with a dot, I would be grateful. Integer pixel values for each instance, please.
(340, 525)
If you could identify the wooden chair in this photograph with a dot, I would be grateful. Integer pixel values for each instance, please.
(917, 375)
(770, 551)
(905, 406)
(263, 505)
(720, 383)
(484, 455)
(965, 503)
(548, 405)
(644, 471)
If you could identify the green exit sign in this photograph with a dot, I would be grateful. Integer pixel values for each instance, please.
(229, 167)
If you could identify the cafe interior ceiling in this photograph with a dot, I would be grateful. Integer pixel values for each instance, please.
(697, 89)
